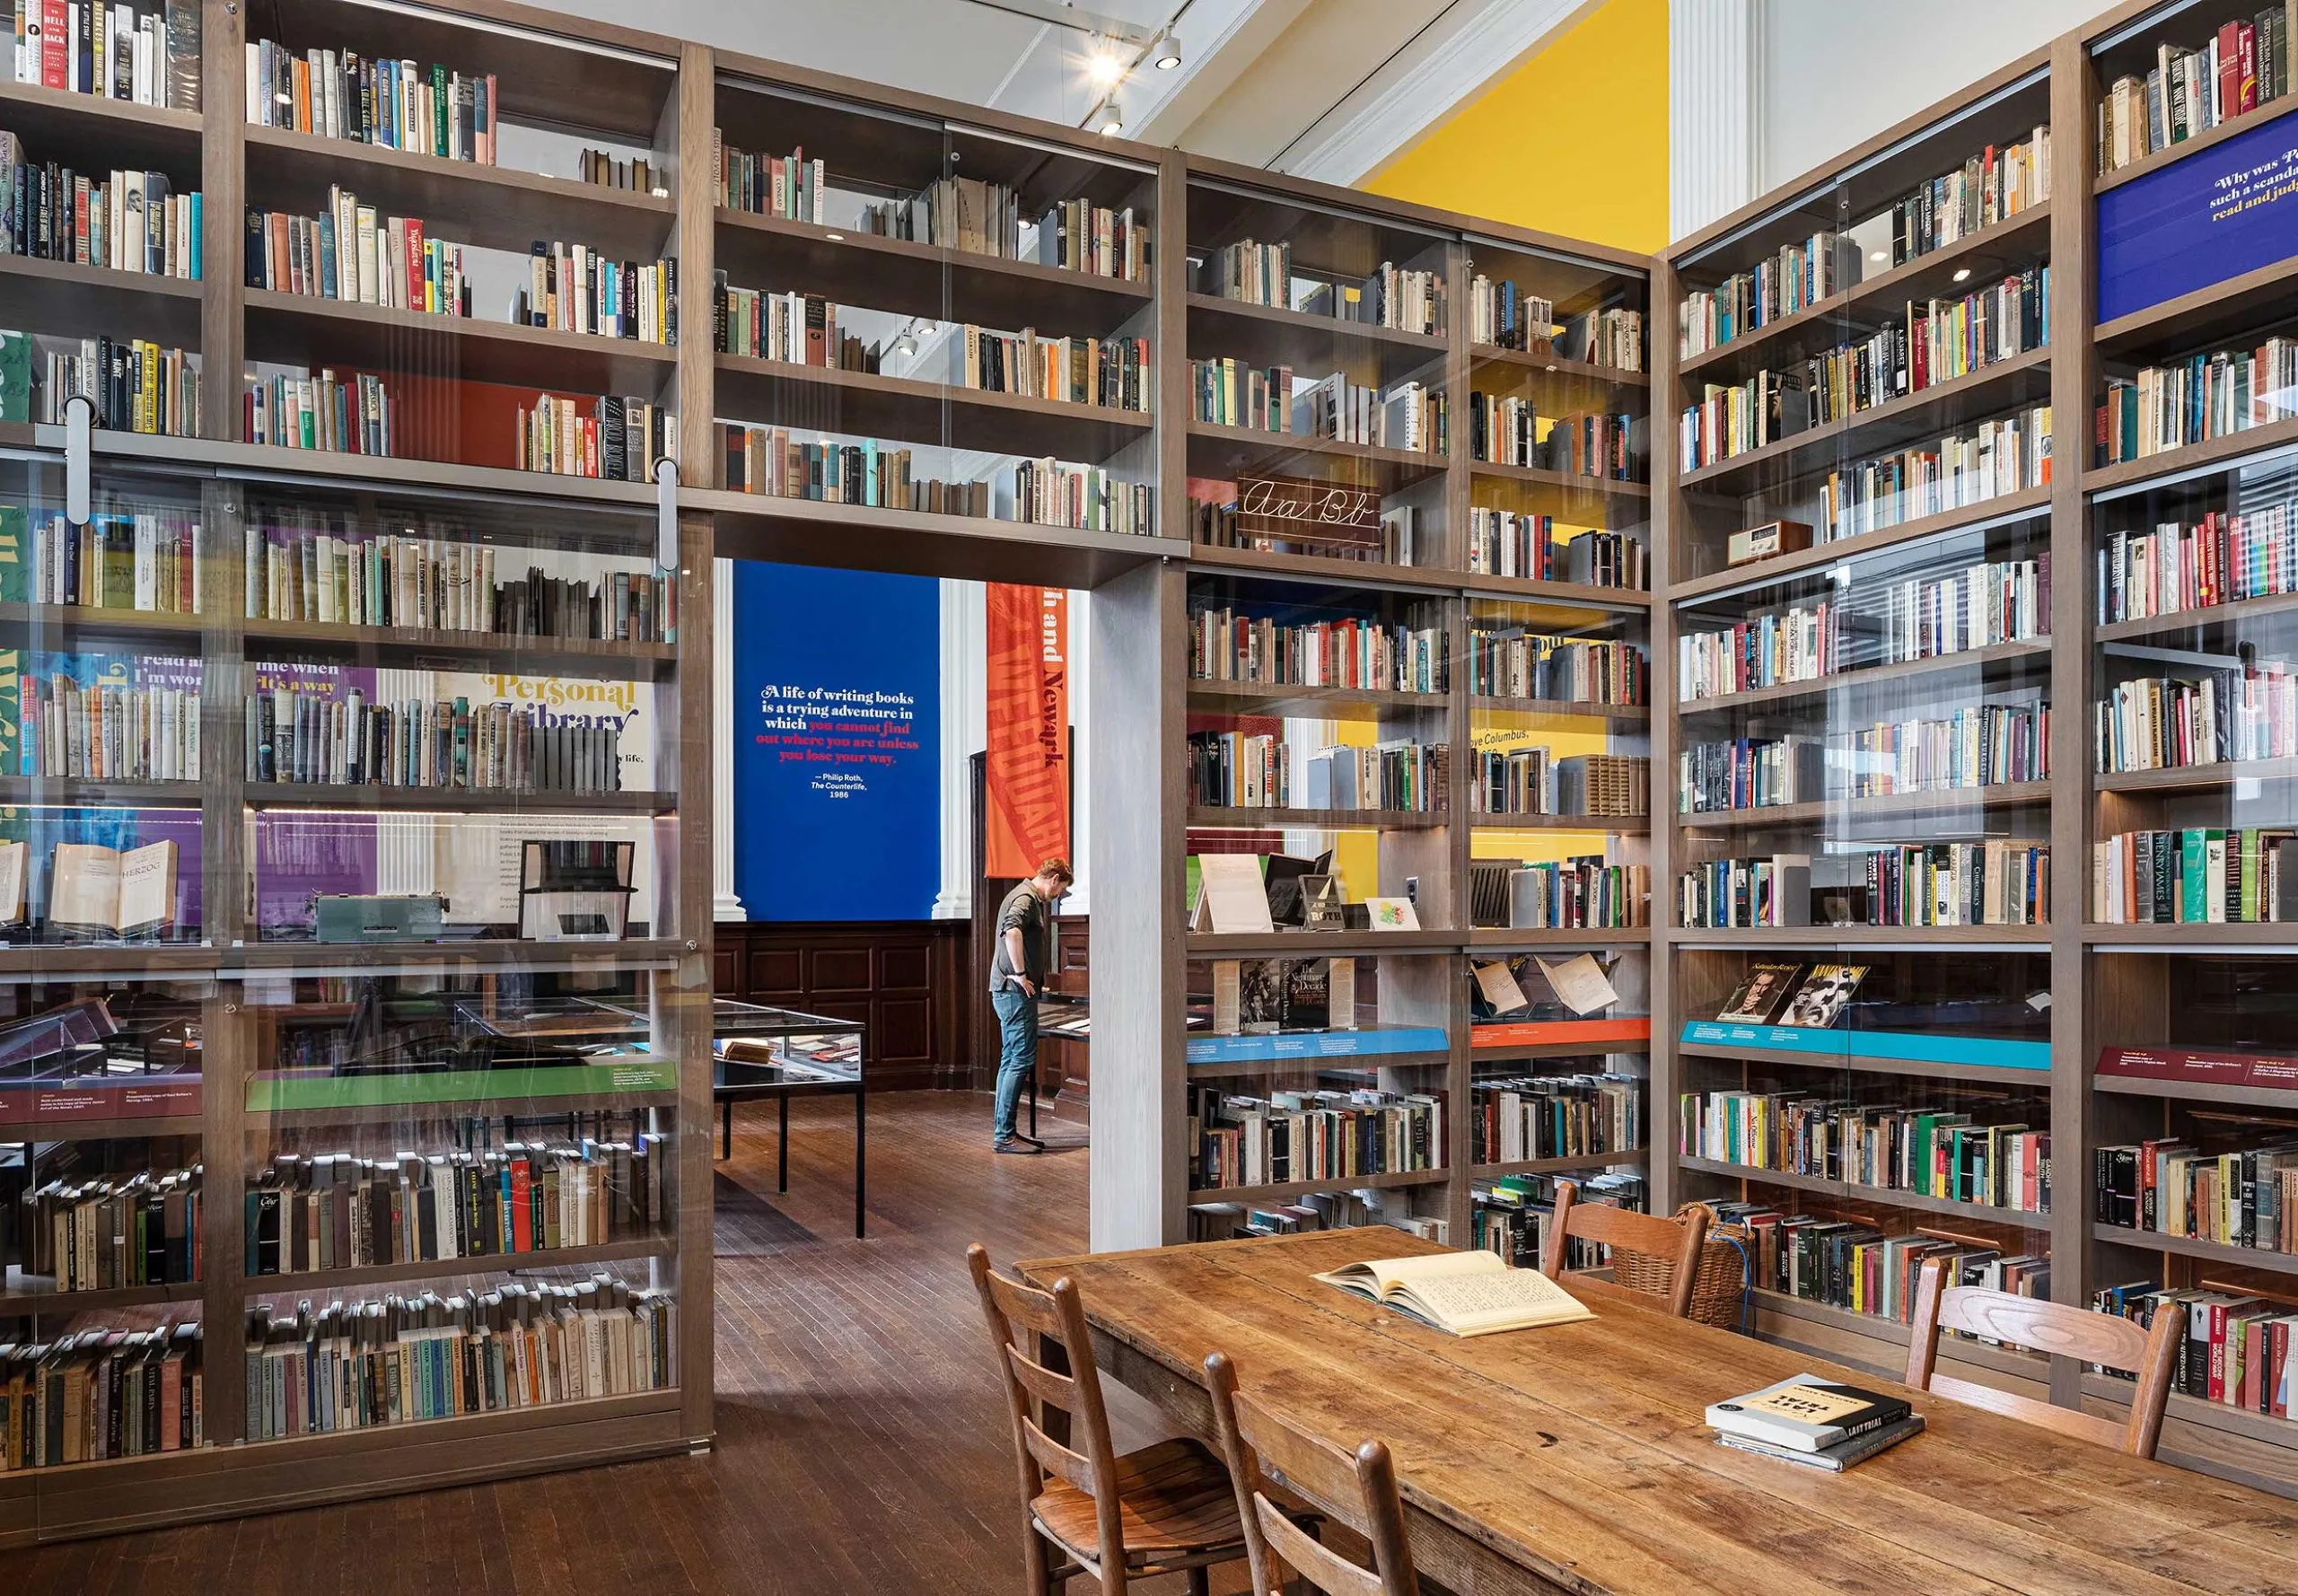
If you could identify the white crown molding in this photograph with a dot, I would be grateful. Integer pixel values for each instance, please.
(1392, 116)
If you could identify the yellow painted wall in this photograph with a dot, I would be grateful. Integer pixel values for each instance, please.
(1574, 141)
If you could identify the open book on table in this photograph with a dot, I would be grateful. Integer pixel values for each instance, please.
(1467, 1294)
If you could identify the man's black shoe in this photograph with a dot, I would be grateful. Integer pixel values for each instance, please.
(1017, 1144)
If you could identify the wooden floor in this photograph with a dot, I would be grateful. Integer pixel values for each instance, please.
(862, 1444)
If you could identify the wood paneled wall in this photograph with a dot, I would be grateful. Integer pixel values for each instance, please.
(917, 985)
(911, 981)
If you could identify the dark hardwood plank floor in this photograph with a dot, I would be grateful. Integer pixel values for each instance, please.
(863, 1446)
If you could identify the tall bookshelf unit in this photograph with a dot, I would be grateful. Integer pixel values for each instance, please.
(298, 1047)
(267, 1045)
(1371, 530)
(1992, 1048)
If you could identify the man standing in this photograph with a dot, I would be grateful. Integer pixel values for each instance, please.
(1016, 977)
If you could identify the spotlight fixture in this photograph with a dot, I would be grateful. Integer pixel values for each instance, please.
(1166, 53)
(1112, 120)
(1101, 63)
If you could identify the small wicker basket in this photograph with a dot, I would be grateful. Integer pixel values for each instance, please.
(1719, 1296)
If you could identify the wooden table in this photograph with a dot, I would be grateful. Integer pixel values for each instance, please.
(1575, 1457)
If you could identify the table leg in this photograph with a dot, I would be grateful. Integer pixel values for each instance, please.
(860, 1165)
(726, 1132)
(783, 1183)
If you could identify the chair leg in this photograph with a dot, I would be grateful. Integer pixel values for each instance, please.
(1199, 1582)
(1036, 1572)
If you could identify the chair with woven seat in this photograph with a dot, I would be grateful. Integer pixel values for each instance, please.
(1672, 1242)
(2056, 1328)
(1165, 1509)
(1360, 1490)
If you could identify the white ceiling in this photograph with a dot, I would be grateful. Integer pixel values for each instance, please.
(1326, 88)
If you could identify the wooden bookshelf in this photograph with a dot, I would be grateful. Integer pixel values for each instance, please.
(1422, 977)
(603, 83)
(2114, 985)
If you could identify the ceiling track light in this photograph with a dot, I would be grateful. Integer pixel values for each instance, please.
(1165, 55)
(1103, 65)
(1112, 120)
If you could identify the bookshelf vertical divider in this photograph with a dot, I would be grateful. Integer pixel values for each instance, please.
(2074, 381)
(223, 330)
(1662, 1114)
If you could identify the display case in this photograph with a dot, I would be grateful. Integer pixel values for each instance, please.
(278, 1057)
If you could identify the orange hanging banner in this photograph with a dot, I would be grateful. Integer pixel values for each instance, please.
(1027, 775)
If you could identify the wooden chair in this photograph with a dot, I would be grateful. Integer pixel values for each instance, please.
(1676, 1242)
(1164, 1509)
(2053, 1328)
(1249, 1431)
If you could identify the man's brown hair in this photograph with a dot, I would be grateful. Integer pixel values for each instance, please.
(1058, 869)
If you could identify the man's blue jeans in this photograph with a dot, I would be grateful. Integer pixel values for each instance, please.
(1017, 1051)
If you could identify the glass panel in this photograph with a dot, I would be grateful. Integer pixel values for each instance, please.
(932, 318)
(412, 1132)
(507, 297)
(1559, 435)
(1320, 421)
(1895, 1100)
(1317, 1092)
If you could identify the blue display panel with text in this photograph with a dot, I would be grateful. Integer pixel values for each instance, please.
(837, 748)
(2198, 222)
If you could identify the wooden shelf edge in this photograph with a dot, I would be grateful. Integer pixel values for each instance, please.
(1866, 676)
(2221, 454)
(104, 277)
(1292, 1189)
(1986, 238)
(1549, 1166)
(441, 1268)
(1436, 344)
(1898, 805)
(2170, 154)
(2248, 1258)
(2025, 504)
(1906, 405)
(1882, 1196)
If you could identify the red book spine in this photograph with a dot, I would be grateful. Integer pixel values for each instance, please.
(2217, 1390)
(415, 299)
(2230, 70)
(522, 1218)
(54, 47)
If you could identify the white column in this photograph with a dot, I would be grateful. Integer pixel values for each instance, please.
(965, 732)
(1714, 109)
(723, 903)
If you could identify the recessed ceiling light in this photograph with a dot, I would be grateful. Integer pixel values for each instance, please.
(1962, 274)
(836, 237)
(1880, 255)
